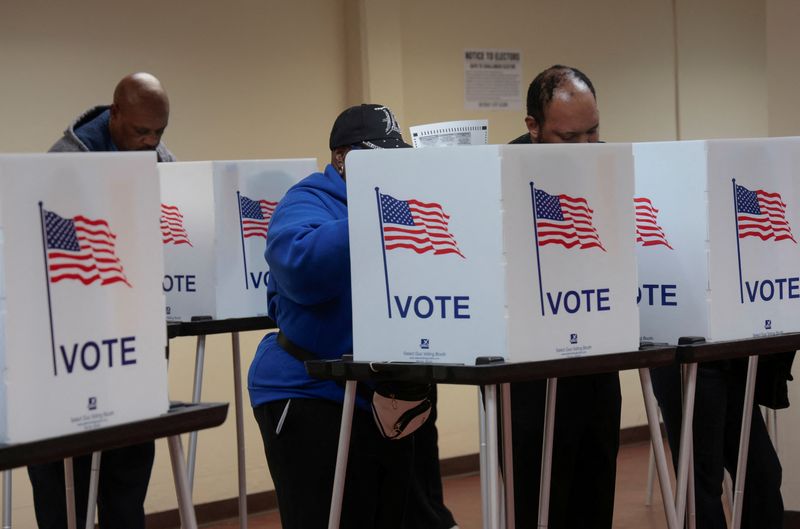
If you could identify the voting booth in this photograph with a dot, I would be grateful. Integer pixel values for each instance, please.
(716, 238)
(521, 252)
(214, 222)
(81, 327)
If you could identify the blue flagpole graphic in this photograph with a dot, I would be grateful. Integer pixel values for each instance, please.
(536, 240)
(383, 249)
(47, 282)
(738, 251)
(241, 231)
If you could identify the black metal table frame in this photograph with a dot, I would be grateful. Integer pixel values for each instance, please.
(179, 419)
(489, 374)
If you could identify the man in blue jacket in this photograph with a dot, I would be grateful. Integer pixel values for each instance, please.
(135, 121)
(309, 297)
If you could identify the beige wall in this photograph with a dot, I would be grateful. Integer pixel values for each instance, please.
(264, 79)
(722, 68)
(624, 47)
(783, 55)
(246, 79)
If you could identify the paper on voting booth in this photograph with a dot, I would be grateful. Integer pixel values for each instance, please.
(451, 259)
(83, 341)
(450, 133)
(214, 221)
(717, 224)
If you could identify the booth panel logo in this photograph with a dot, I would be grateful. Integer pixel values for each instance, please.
(761, 215)
(423, 228)
(567, 221)
(254, 217)
(83, 250)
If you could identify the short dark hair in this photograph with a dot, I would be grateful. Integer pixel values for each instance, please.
(541, 90)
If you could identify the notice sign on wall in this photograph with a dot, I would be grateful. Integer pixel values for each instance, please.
(492, 79)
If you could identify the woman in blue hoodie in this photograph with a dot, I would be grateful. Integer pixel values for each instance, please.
(308, 295)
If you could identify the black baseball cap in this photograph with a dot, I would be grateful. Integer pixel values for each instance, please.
(370, 126)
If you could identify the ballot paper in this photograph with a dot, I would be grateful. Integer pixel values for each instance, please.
(449, 133)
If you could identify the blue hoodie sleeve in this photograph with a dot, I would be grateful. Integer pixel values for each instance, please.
(308, 249)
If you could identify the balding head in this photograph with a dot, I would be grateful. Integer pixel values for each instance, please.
(139, 114)
(562, 107)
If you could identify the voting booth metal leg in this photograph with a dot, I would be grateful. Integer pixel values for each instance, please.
(341, 454)
(6, 499)
(508, 457)
(684, 454)
(651, 476)
(484, 472)
(651, 469)
(69, 487)
(94, 480)
(239, 410)
(690, 499)
(774, 430)
(657, 442)
(744, 442)
(179, 474)
(547, 452)
(691, 510)
(197, 388)
(772, 427)
(492, 462)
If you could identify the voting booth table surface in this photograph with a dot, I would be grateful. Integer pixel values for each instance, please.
(180, 418)
(201, 327)
(493, 372)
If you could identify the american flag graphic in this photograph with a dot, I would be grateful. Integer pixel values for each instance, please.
(82, 249)
(761, 214)
(565, 220)
(418, 226)
(172, 230)
(255, 216)
(648, 231)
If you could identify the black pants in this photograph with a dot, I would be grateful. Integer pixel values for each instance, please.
(124, 476)
(585, 446)
(426, 508)
(301, 455)
(719, 401)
